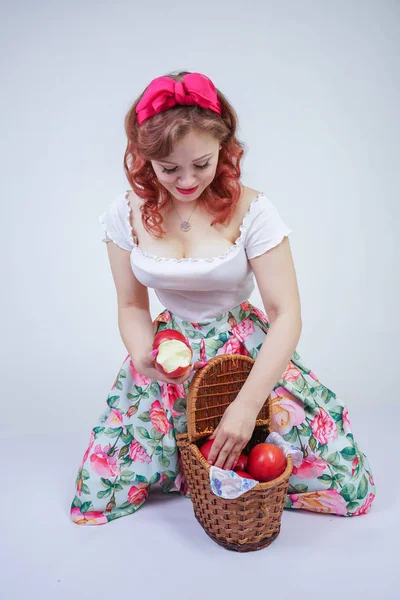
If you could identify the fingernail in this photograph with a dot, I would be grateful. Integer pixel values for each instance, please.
(154, 352)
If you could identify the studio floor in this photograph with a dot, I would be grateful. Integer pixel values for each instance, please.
(161, 551)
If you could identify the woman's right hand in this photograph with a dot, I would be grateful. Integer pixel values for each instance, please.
(147, 368)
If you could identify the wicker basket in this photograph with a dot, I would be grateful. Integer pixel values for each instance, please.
(253, 520)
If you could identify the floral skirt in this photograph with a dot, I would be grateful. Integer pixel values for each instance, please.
(132, 445)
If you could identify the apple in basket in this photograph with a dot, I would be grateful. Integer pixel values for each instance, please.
(244, 474)
(241, 464)
(174, 353)
(205, 448)
(266, 462)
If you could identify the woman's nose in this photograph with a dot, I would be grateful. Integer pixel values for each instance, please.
(187, 181)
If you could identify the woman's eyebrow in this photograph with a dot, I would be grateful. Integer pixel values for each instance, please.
(195, 160)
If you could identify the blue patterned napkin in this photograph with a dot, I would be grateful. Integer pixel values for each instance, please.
(228, 484)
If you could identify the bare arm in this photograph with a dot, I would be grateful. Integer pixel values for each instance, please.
(276, 278)
(134, 319)
(137, 332)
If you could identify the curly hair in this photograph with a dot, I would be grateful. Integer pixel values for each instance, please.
(155, 139)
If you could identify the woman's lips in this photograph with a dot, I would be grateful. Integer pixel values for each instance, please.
(187, 191)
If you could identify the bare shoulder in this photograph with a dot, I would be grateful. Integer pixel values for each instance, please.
(248, 195)
(134, 203)
(130, 291)
(133, 200)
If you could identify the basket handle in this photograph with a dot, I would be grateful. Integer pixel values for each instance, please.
(213, 388)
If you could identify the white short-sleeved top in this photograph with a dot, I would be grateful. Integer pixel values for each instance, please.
(199, 289)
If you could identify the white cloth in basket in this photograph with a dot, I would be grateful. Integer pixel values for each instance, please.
(228, 484)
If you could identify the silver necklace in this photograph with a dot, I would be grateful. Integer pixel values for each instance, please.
(185, 225)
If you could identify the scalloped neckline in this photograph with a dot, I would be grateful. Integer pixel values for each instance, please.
(233, 247)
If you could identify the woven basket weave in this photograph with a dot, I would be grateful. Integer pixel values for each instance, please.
(253, 520)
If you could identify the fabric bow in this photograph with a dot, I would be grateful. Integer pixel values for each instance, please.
(163, 93)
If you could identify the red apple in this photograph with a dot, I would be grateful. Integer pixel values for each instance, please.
(244, 474)
(241, 464)
(174, 353)
(205, 449)
(266, 462)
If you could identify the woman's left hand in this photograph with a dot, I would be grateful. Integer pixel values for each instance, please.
(232, 434)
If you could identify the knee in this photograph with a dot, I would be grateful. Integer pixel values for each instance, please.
(360, 507)
(89, 517)
(360, 493)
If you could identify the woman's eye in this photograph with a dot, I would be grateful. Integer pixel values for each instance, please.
(203, 166)
(207, 164)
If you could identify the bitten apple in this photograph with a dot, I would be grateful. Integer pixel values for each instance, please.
(174, 353)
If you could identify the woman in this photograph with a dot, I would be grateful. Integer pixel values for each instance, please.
(189, 229)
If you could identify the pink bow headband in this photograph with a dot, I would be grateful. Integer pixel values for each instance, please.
(163, 93)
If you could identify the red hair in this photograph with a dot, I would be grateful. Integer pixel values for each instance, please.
(155, 138)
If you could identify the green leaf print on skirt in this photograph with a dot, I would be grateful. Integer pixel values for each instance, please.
(132, 445)
(308, 414)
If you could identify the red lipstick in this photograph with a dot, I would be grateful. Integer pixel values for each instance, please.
(187, 191)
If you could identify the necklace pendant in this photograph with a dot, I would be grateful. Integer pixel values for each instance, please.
(185, 226)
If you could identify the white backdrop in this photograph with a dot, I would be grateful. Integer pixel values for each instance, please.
(316, 88)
